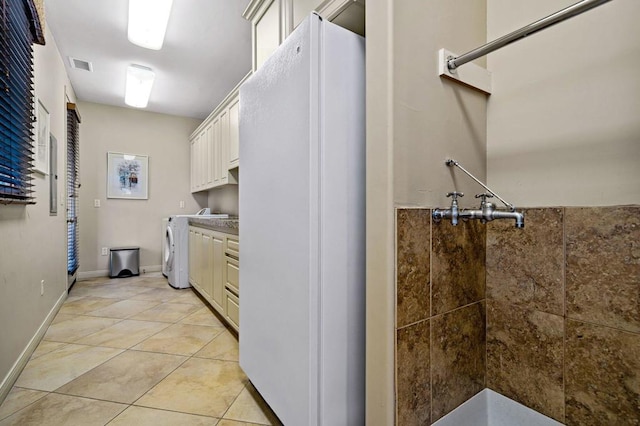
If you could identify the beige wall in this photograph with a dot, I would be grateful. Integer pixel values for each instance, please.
(415, 121)
(121, 222)
(563, 126)
(33, 242)
(224, 199)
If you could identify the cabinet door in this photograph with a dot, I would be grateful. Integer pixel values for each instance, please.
(223, 154)
(215, 150)
(208, 166)
(207, 263)
(192, 149)
(234, 134)
(266, 33)
(192, 254)
(218, 271)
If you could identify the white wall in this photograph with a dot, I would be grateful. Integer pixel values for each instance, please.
(33, 242)
(122, 222)
(563, 119)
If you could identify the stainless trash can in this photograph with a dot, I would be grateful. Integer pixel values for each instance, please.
(124, 262)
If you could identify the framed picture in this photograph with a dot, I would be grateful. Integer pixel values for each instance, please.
(127, 176)
(41, 142)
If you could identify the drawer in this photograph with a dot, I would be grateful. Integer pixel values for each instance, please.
(232, 309)
(232, 274)
(232, 246)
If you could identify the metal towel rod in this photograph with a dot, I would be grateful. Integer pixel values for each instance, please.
(543, 23)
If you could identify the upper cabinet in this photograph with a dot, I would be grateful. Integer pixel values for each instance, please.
(215, 145)
(273, 20)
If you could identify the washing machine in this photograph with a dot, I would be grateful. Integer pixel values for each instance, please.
(165, 245)
(176, 252)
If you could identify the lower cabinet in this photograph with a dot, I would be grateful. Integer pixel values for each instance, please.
(214, 270)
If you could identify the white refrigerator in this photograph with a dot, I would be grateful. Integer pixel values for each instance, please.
(302, 227)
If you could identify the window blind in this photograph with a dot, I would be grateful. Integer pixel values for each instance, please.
(73, 185)
(16, 105)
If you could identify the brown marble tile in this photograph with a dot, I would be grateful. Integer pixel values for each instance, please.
(602, 375)
(525, 266)
(458, 259)
(603, 266)
(413, 265)
(525, 357)
(413, 390)
(457, 357)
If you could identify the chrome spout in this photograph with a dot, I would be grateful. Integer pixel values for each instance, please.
(518, 216)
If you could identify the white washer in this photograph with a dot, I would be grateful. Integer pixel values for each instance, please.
(165, 223)
(176, 252)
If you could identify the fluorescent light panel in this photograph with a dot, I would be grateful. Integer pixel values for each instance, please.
(148, 22)
(138, 86)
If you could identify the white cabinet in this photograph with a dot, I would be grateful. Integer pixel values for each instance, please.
(273, 20)
(214, 270)
(215, 145)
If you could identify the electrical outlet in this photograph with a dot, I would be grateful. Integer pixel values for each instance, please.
(182, 204)
(105, 251)
(41, 287)
(96, 203)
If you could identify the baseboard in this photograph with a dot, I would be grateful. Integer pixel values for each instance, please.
(87, 275)
(18, 366)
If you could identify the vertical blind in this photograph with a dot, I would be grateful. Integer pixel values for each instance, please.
(16, 105)
(73, 184)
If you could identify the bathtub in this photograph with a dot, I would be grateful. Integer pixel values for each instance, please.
(489, 408)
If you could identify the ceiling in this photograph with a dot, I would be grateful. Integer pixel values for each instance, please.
(206, 52)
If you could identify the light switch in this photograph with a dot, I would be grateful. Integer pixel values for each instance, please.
(182, 204)
(96, 203)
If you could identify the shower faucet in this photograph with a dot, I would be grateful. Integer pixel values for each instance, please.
(487, 211)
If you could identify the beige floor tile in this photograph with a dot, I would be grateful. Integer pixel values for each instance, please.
(124, 334)
(109, 291)
(166, 312)
(52, 370)
(62, 317)
(141, 416)
(18, 399)
(124, 378)
(76, 328)
(188, 296)
(123, 309)
(179, 339)
(250, 407)
(45, 347)
(158, 282)
(203, 316)
(199, 386)
(223, 347)
(227, 422)
(82, 305)
(56, 409)
(167, 294)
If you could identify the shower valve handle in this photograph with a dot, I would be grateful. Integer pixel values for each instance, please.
(484, 197)
(455, 195)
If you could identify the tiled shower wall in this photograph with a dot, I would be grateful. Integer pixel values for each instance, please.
(562, 314)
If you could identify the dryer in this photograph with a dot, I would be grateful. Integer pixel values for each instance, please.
(164, 243)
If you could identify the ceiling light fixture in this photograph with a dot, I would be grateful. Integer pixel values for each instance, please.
(138, 86)
(148, 22)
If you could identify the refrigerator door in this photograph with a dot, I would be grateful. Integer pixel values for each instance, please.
(301, 200)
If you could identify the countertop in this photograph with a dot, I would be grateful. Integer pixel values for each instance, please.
(230, 225)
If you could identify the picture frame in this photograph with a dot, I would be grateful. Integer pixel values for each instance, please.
(41, 140)
(127, 176)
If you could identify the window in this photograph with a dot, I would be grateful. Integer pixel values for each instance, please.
(73, 184)
(19, 28)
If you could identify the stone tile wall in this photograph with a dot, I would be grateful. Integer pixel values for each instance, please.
(440, 315)
(559, 330)
(563, 313)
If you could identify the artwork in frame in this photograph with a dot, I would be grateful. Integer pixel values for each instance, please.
(127, 176)
(41, 142)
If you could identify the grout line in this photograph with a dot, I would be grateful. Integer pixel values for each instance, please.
(430, 211)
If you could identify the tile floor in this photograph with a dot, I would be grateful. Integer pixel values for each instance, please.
(134, 351)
